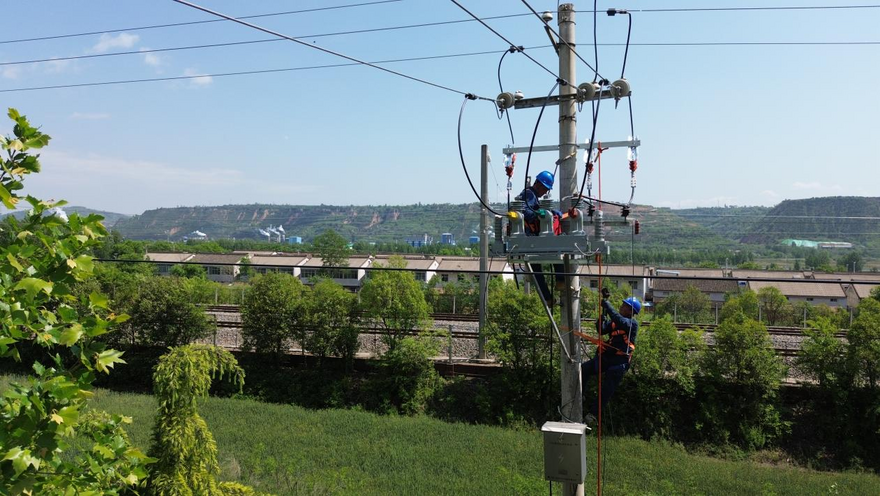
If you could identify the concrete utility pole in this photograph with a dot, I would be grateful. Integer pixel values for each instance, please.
(572, 395)
(484, 248)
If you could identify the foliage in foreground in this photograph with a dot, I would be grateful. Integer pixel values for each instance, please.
(41, 261)
(185, 451)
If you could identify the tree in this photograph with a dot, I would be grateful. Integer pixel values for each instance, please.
(743, 375)
(184, 448)
(517, 327)
(773, 304)
(331, 313)
(851, 262)
(189, 271)
(333, 250)
(864, 343)
(745, 302)
(272, 312)
(164, 313)
(395, 298)
(822, 354)
(47, 255)
(817, 259)
(693, 304)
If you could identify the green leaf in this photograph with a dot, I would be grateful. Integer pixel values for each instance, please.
(6, 198)
(13, 114)
(20, 459)
(121, 318)
(84, 263)
(33, 286)
(14, 262)
(106, 359)
(104, 451)
(71, 335)
(38, 142)
(98, 300)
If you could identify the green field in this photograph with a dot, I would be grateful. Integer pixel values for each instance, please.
(291, 450)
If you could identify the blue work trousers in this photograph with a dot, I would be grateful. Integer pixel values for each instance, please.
(612, 374)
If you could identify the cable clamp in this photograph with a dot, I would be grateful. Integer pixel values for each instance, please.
(514, 49)
(562, 82)
(470, 96)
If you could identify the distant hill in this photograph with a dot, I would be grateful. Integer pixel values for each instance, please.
(110, 218)
(729, 222)
(660, 227)
(833, 218)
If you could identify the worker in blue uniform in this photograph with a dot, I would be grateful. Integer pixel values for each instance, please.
(531, 212)
(622, 328)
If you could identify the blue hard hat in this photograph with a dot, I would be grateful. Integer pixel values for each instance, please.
(546, 179)
(634, 304)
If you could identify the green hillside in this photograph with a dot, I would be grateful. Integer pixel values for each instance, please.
(728, 222)
(386, 223)
(852, 219)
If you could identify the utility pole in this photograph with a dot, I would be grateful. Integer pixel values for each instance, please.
(572, 394)
(484, 248)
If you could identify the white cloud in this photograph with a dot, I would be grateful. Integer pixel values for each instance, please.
(816, 186)
(151, 59)
(769, 193)
(122, 40)
(200, 80)
(90, 116)
(57, 66)
(11, 71)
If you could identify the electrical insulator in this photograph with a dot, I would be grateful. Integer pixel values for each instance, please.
(620, 89)
(505, 100)
(636, 227)
(587, 91)
(518, 95)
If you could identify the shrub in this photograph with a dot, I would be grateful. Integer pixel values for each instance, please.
(164, 313)
(184, 448)
(662, 383)
(408, 373)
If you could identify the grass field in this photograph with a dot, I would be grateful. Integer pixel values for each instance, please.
(290, 450)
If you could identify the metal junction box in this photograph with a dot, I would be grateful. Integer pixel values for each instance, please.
(565, 452)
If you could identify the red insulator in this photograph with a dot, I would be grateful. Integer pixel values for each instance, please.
(633, 165)
(636, 227)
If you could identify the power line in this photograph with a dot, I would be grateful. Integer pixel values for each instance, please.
(191, 23)
(509, 43)
(561, 39)
(246, 73)
(325, 50)
(266, 40)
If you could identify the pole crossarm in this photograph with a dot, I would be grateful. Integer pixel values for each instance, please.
(543, 101)
(582, 146)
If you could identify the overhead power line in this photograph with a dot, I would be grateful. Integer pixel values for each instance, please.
(265, 40)
(327, 50)
(191, 23)
(318, 9)
(510, 44)
(245, 73)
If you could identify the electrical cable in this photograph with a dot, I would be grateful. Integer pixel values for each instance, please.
(461, 155)
(501, 89)
(626, 51)
(535, 132)
(322, 49)
(509, 43)
(191, 23)
(566, 43)
(246, 73)
(337, 7)
(596, 39)
(592, 144)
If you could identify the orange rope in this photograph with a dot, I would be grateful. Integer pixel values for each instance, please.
(599, 174)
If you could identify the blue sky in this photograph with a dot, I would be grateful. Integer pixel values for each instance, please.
(719, 125)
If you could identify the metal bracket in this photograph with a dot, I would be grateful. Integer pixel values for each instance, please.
(583, 146)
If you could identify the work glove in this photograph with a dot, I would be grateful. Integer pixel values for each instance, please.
(557, 213)
(606, 294)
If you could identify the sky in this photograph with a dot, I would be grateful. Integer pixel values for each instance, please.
(719, 125)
